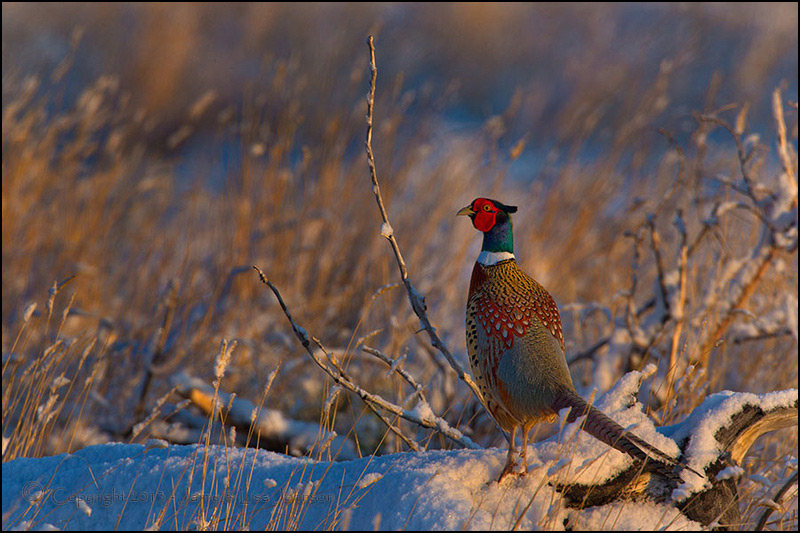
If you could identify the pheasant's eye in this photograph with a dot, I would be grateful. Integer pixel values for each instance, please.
(487, 207)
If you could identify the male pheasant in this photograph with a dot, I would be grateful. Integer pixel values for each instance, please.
(516, 347)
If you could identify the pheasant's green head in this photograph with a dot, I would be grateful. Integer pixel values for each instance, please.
(493, 218)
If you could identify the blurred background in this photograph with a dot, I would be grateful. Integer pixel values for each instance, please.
(156, 151)
(568, 76)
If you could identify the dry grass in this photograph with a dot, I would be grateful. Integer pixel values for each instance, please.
(153, 185)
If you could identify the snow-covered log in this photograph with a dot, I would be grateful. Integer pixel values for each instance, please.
(272, 430)
(714, 439)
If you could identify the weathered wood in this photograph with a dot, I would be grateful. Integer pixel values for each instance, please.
(718, 504)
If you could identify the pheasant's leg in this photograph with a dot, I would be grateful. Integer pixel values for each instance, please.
(525, 430)
(510, 463)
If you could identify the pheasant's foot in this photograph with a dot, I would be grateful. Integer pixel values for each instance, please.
(512, 469)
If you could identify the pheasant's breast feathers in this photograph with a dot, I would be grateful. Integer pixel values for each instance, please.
(505, 301)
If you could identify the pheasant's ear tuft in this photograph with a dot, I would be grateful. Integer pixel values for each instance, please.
(504, 207)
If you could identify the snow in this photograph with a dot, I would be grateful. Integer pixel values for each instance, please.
(729, 472)
(369, 479)
(424, 412)
(702, 424)
(156, 486)
(650, 517)
(83, 507)
(156, 443)
(135, 488)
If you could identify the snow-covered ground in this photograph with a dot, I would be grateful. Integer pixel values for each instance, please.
(134, 486)
(130, 486)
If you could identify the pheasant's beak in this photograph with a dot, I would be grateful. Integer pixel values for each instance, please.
(466, 211)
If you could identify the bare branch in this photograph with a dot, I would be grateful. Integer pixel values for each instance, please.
(327, 362)
(414, 296)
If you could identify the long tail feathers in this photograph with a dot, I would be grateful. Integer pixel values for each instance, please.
(606, 430)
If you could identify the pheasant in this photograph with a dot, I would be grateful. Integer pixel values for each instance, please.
(516, 347)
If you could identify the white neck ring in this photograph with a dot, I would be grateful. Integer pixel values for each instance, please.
(492, 258)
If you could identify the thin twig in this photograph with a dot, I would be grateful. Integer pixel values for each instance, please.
(742, 155)
(590, 351)
(678, 313)
(778, 497)
(655, 242)
(783, 152)
(631, 316)
(397, 369)
(416, 299)
(747, 278)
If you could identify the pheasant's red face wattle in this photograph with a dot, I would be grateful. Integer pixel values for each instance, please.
(485, 214)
